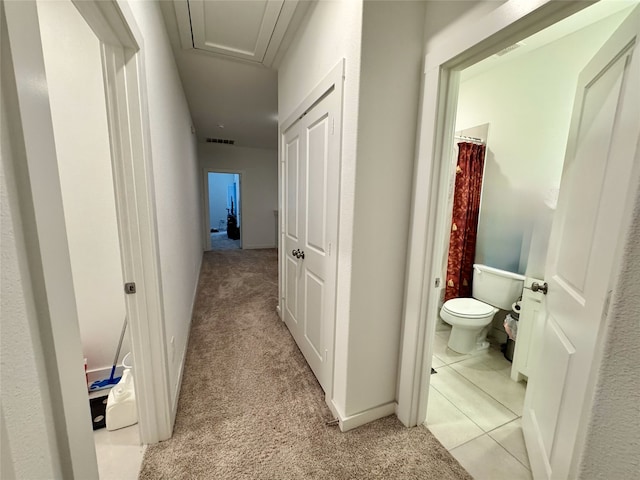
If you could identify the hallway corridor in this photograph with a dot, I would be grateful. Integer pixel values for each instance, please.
(251, 408)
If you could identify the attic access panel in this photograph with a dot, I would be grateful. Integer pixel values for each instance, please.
(241, 29)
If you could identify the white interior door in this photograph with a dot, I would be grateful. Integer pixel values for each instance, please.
(595, 191)
(311, 150)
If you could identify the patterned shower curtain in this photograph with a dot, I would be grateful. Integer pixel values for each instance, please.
(464, 222)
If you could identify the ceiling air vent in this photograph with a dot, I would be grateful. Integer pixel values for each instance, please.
(220, 140)
(510, 48)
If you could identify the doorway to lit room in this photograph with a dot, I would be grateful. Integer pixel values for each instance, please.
(223, 205)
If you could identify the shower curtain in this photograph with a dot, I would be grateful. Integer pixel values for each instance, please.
(464, 222)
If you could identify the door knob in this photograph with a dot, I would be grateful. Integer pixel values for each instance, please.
(544, 288)
(301, 254)
(294, 253)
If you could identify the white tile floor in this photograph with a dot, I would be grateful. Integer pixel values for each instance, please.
(475, 409)
(119, 453)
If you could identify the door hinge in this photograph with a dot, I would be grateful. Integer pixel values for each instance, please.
(437, 282)
(130, 288)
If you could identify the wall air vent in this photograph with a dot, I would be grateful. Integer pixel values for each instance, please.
(509, 49)
(220, 140)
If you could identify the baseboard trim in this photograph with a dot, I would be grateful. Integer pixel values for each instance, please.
(176, 395)
(258, 247)
(178, 386)
(362, 418)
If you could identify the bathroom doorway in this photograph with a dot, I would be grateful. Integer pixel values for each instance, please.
(476, 400)
(223, 209)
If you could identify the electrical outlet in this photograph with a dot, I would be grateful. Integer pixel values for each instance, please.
(172, 346)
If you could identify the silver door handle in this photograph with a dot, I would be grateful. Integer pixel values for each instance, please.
(536, 287)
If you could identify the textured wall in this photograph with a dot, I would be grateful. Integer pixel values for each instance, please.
(28, 437)
(612, 447)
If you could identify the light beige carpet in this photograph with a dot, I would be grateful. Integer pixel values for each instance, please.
(250, 408)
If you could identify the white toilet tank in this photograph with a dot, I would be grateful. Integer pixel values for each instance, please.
(496, 287)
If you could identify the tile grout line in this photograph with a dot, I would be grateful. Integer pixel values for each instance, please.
(487, 393)
(497, 442)
(456, 407)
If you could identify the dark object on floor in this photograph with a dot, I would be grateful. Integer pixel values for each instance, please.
(433, 370)
(233, 232)
(508, 348)
(98, 407)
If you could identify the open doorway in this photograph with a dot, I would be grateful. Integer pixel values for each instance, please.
(223, 207)
(81, 132)
(476, 395)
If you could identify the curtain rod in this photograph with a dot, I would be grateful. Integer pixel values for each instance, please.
(470, 139)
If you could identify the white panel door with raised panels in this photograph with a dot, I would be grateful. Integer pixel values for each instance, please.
(591, 217)
(310, 150)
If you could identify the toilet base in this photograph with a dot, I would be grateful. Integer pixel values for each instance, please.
(465, 342)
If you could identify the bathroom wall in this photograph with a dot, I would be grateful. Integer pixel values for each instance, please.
(527, 102)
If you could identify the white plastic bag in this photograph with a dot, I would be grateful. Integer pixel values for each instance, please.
(511, 327)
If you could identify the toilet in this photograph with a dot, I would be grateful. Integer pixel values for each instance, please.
(492, 290)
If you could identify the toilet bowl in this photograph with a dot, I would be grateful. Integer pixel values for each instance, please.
(492, 289)
(469, 318)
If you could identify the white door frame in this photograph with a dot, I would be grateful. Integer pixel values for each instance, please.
(205, 198)
(125, 84)
(469, 44)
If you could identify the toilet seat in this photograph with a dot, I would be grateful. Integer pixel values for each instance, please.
(468, 308)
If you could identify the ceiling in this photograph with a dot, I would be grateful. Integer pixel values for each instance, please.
(237, 98)
(229, 98)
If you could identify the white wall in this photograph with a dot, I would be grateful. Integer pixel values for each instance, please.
(218, 193)
(390, 77)
(29, 446)
(613, 436)
(76, 93)
(330, 32)
(259, 195)
(527, 103)
(177, 185)
(382, 45)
